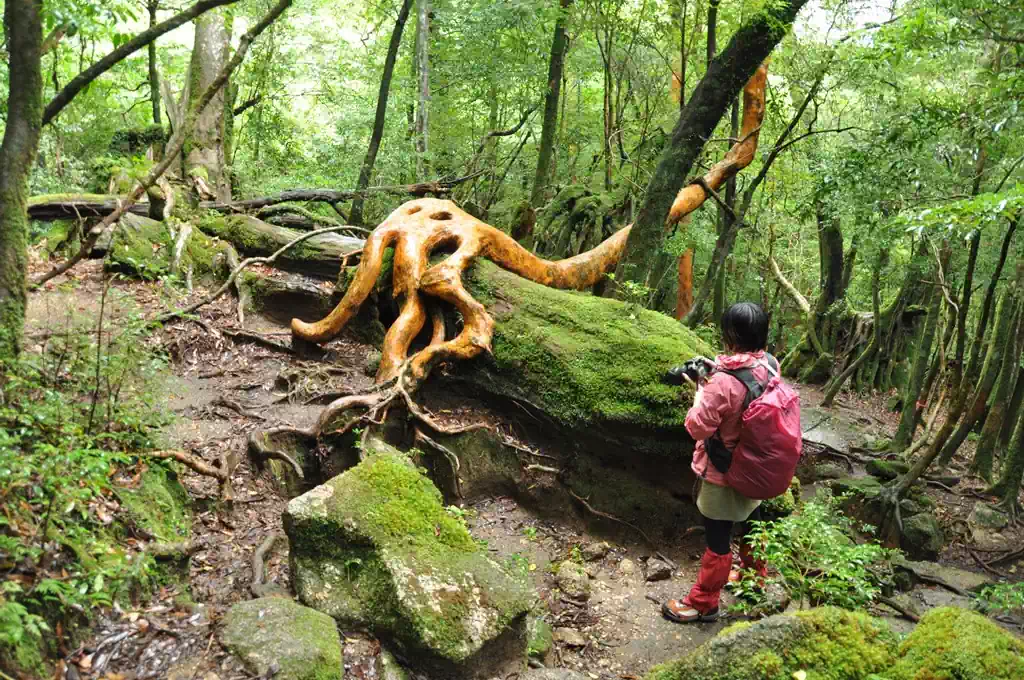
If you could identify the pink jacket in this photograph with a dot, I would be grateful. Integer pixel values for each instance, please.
(721, 409)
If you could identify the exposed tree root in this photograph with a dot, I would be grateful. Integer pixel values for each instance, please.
(222, 473)
(259, 565)
(907, 612)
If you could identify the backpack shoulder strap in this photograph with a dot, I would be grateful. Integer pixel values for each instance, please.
(746, 376)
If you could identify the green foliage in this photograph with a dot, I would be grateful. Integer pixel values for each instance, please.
(69, 424)
(1003, 598)
(818, 558)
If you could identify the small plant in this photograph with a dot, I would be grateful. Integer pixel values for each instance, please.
(351, 567)
(1002, 598)
(818, 559)
(518, 565)
(530, 533)
(576, 555)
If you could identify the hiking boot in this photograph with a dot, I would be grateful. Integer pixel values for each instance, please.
(680, 612)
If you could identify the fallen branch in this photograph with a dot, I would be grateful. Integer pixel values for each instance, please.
(174, 551)
(237, 270)
(449, 455)
(222, 473)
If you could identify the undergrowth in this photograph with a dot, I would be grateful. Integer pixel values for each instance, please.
(71, 415)
(820, 559)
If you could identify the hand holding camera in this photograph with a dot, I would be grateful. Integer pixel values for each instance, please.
(695, 371)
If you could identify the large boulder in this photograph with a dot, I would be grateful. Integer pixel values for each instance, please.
(955, 643)
(375, 548)
(824, 643)
(303, 643)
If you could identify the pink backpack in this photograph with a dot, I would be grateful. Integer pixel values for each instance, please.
(764, 461)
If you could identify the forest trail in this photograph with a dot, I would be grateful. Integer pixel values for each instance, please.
(222, 389)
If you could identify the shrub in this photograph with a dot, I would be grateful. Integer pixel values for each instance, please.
(818, 558)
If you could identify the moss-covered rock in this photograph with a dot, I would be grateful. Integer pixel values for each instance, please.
(374, 547)
(956, 644)
(826, 643)
(303, 642)
(539, 638)
(159, 504)
(922, 537)
(782, 505)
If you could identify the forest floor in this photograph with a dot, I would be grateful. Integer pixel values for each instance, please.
(221, 389)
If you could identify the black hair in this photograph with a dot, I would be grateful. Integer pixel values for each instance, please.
(745, 327)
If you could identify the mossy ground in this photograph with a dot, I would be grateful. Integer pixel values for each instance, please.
(159, 504)
(585, 359)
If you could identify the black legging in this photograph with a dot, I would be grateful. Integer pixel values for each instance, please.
(718, 532)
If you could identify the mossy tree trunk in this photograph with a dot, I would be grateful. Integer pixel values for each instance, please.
(1002, 343)
(643, 261)
(946, 439)
(366, 170)
(23, 21)
(876, 336)
(1008, 486)
(999, 410)
(922, 359)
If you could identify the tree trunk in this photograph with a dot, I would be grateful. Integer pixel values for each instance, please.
(684, 296)
(942, 442)
(998, 411)
(366, 170)
(554, 83)
(22, 19)
(154, 76)
(1008, 486)
(725, 225)
(423, 89)
(911, 405)
(205, 156)
(876, 336)
(990, 293)
(1013, 410)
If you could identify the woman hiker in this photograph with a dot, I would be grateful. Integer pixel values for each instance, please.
(715, 421)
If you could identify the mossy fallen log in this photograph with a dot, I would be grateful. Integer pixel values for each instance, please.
(320, 256)
(49, 207)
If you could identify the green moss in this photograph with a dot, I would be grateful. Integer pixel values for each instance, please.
(25, 657)
(159, 504)
(956, 644)
(827, 643)
(886, 469)
(586, 359)
(145, 248)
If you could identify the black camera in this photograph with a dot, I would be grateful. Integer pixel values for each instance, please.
(693, 371)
